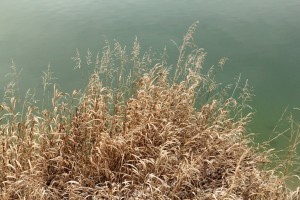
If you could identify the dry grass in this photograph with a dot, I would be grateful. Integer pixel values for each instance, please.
(135, 133)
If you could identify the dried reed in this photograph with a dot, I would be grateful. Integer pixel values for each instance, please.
(136, 132)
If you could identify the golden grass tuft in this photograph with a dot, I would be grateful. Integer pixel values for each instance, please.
(139, 134)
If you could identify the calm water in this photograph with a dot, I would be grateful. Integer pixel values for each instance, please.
(261, 39)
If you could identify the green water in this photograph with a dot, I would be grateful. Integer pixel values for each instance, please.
(261, 39)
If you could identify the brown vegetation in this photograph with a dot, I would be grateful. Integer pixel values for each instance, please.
(146, 133)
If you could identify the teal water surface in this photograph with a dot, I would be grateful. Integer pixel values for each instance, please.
(260, 38)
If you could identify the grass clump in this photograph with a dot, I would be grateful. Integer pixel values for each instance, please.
(138, 131)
